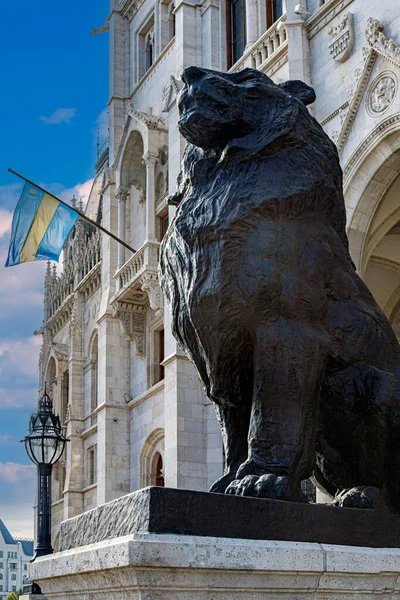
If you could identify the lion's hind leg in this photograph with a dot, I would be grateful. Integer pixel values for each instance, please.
(358, 445)
(288, 367)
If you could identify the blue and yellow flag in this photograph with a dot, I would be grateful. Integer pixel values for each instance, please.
(40, 227)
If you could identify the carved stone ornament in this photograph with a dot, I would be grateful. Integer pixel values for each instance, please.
(382, 93)
(170, 92)
(341, 38)
(150, 121)
(384, 46)
(132, 318)
(61, 351)
(122, 193)
(151, 286)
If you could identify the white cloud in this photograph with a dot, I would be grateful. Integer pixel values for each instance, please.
(61, 115)
(14, 473)
(81, 191)
(23, 353)
(5, 221)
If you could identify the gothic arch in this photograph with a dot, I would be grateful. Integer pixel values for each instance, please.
(368, 175)
(93, 368)
(153, 445)
(51, 372)
(133, 171)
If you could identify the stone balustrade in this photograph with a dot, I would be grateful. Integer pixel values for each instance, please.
(130, 277)
(264, 49)
(82, 256)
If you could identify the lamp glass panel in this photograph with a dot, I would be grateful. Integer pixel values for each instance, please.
(49, 447)
(36, 448)
(60, 450)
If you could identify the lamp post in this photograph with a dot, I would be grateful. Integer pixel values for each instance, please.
(44, 444)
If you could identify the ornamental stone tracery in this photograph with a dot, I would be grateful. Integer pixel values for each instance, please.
(382, 93)
(132, 318)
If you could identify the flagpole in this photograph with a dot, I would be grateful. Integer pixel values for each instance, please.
(83, 216)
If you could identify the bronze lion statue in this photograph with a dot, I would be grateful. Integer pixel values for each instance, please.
(289, 343)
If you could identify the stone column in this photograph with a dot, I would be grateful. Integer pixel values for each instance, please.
(298, 44)
(73, 497)
(251, 23)
(150, 160)
(122, 195)
(211, 35)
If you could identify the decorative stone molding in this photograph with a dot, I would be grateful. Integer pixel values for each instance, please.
(322, 17)
(342, 110)
(383, 261)
(387, 126)
(170, 92)
(155, 439)
(151, 286)
(382, 90)
(341, 38)
(61, 351)
(381, 93)
(129, 8)
(382, 45)
(132, 318)
(149, 121)
(122, 194)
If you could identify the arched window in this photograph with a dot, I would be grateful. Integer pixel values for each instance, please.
(51, 380)
(94, 374)
(160, 186)
(171, 21)
(149, 50)
(235, 30)
(151, 461)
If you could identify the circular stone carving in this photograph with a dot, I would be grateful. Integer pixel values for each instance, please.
(382, 93)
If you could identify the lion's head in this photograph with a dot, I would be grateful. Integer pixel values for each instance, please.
(217, 108)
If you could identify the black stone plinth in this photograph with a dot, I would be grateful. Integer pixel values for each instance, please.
(185, 512)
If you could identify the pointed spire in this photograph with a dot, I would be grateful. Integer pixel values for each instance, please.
(80, 206)
(48, 273)
(54, 271)
(73, 201)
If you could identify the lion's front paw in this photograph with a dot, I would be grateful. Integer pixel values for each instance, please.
(219, 486)
(270, 486)
(360, 497)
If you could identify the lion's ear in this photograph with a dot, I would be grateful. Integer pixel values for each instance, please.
(299, 90)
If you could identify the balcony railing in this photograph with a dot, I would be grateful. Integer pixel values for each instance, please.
(265, 49)
(129, 276)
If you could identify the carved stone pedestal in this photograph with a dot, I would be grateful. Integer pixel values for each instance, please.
(171, 567)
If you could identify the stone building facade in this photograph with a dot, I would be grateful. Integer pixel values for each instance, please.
(15, 555)
(132, 405)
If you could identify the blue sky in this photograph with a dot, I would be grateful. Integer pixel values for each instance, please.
(53, 100)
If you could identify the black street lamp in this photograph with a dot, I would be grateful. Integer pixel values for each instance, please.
(44, 444)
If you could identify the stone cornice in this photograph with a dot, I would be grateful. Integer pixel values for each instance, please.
(129, 8)
(385, 47)
(324, 15)
(146, 395)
